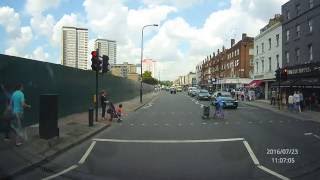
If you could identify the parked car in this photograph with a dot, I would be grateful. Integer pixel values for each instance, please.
(228, 101)
(194, 92)
(203, 95)
(190, 89)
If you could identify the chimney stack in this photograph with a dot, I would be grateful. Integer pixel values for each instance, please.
(214, 54)
(218, 51)
(244, 35)
(233, 41)
(223, 48)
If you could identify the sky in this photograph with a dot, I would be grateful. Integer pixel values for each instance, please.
(188, 31)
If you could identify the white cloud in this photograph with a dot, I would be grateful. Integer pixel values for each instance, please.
(43, 25)
(66, 20)
(38, 54)
(11, 51)
(38, 6)
(9, 19)
(18, 43)
(177, 3)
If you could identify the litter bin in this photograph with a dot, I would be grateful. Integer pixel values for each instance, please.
(48, 117)
(206, 112)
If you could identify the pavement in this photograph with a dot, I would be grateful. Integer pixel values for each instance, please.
(73, 130)
(306, 115)
(167, 139)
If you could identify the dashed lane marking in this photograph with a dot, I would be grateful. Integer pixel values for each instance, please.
(252, 155)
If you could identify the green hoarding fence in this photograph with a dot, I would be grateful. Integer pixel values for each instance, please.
(75, 87)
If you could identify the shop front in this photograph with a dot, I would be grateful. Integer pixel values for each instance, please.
(303, 78)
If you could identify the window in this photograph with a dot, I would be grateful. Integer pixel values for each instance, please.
(310, 52)
(298, 9)
(262, 64)
(257, 66)
(288, 57)
(257, 50)
(310, 22)
(269, 43)
(262, 47)
(297, 55)
(269, 64)
(288, 15)
(277, 37)
(288, 35)
(310, 4)
(278, 65)
(298, 31)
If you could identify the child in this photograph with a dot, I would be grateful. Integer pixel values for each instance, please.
(120, 112)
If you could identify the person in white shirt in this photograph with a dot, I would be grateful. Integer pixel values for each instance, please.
(301, 101)
(290, 102)
(296, 98)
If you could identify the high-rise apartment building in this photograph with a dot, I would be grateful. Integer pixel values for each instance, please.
(108, 48)
(74, 47)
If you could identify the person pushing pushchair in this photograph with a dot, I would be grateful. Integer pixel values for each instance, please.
(219, 107)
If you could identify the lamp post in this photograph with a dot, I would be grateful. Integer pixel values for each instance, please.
(142, 58)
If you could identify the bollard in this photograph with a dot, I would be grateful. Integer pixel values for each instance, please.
(90, 116)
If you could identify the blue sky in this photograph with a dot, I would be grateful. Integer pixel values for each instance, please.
(189, 29)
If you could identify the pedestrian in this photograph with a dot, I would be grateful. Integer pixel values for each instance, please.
(18, 104)
(120, 112)
(219, 107)
(273, 97)
(103, 102)
(8, 115)
(290, 102)
(301, 101)
(296, 101)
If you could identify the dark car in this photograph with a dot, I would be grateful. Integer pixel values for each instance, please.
(203, 95)
(228, 102)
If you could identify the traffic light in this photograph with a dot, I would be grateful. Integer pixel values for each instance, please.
(284, 75)
(95, 61)
(105, 64)
(278, 74)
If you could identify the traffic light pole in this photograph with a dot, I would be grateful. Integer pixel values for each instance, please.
(97, 97)
(279, 101)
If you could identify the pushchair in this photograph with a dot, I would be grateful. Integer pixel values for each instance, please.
(113, 113)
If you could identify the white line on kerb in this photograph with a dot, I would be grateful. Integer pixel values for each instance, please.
(60, 173)
(84, 157)
(169, 141)
(252, 155)
(273, 173)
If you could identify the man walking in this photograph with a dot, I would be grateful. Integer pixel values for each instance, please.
(273, 97)
(18, 104)
(296, 99)
(103, 100)
(290, 102)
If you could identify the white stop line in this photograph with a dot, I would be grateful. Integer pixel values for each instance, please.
(246, 144)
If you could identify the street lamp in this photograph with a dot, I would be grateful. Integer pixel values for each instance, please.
(142, 57)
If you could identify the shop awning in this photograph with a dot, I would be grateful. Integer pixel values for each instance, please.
(254, 84)
(299, 83)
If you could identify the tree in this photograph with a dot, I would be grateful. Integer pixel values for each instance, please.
(148, 79)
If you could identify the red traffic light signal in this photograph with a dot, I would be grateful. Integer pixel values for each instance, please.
(94, 53)
(95, 62)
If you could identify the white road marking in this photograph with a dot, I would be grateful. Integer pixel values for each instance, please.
(142, 124)
(166, 124)
(131, 124)
(204, 123)
(316, 136)
(307, 134)
(62, 172)
(216, 123)
(252, 155)
(169, 141)
(273, 173)
(84, 157)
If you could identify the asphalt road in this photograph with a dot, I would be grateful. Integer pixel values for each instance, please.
(168, 139)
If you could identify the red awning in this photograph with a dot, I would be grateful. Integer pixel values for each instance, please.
(254, 84)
